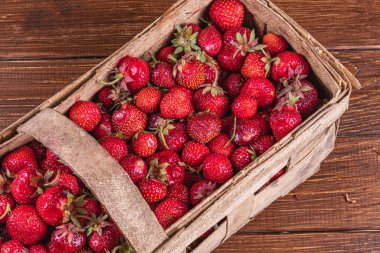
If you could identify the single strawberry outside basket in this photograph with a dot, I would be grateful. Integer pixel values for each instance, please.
(235, 203)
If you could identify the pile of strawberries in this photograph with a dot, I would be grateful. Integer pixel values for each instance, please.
(181, 125)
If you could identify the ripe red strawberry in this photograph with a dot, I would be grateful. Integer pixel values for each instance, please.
(217, 168)
(230, 36)
(212, 71)
(289, 64)
(242, 157)
(275, 43)
(189, 72)
(167, 156)
(68, 238)
(38, 248)
(129, 120)
(194, 153)
(70, 182)
(21, 158)
(163, 54)
(244, 106)
(54, 166)
(162, 75)
(210, 40)
(38, 148)
(115, 146)
(229, 60)
(256, 65)
(148, 99)
(283, 119)
(176, 104)
(172, 135)
(153, 121)
(169, 174)
(227, 14)
(180, 192)
(211, 99)
(191, 178)
(104, 97)
(232, 85)
(24, 187)
(204, 127)
(55, 205)
(13, 246)
(104, 128)
(169, 211)
(152, 190)
(92, 207)
(25, 225)
(262, 119)
(221, 145)
(6, 206)
(85, 114)
(135, 167)
(133, 73)
(144, 144)
(105, 239)
(247, 130)
(260, 88)
(201, 190)
(264, 143)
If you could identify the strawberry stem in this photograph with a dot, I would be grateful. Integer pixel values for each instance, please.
(233, 134)
(118, 77)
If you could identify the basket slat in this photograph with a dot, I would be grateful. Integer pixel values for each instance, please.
(102, 174)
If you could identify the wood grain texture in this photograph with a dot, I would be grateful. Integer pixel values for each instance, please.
(50, 44)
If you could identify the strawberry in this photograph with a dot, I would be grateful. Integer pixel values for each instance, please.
(283, 119)
(25, 225)
(260, 88)
(24, 187)
(274, 178)
(185, 39)
(54, 166)
(189, 72)
(194, 27)
(70, 182)
(246, 131)
(38, 148)
(152, 190)
(162, 75)
(92, 208)
(211, 99)
(244, 106)
(232, 85)
(135, 167)
(227, 14)
(153, 121)
(201, 190)
(104, 97)
(148, 99)
(104, 128)
(85, 114)
(21, 158)
(229, 60)
(262, 119)
(68, 238)
(144, 144)
(169, 211)
(13, 246)
(289, 64)
(6, 205)
(231, 35)
(242, 157)
(169, 174)
(167, 156)
(172, 135)
(180, 192)
(217, 168)
(210, 40)
(105, 238)
(221, 145)
(176, 104)
(37, 248)
(194, 153)
(129, 120)
(133, 74)
(163, 54)
(116, 147)
(264, 143)
(275, 43)
(212, 70)
(204, 127)
(191, 178)
(257, 64)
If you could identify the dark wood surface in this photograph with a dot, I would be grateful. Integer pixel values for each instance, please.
(44, 45)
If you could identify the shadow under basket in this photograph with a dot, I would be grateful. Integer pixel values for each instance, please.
(233, 204)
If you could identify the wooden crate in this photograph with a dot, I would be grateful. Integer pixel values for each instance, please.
(235, 203)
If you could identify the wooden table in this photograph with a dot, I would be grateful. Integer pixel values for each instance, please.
(44, 45)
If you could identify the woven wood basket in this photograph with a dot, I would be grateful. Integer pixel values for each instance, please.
(235, 203)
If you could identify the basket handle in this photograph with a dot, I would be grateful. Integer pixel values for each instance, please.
(102, 175)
